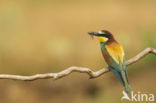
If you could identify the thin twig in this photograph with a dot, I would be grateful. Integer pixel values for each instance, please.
(69, 70)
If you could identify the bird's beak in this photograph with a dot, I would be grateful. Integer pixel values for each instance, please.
(93, 33)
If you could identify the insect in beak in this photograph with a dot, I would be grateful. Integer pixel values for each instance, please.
(92, 34)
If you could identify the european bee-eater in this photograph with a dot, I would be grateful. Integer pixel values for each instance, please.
(114, 56)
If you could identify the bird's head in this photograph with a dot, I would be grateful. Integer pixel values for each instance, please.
(102, 35)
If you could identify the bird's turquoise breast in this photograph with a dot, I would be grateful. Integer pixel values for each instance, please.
(102, 45)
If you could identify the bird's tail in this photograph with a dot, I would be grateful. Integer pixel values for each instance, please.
(123, 78)
(127, 87)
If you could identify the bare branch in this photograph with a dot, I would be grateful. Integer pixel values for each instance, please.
(69, 70)
(141, 55)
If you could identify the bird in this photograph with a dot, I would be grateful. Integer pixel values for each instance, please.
(114, 56)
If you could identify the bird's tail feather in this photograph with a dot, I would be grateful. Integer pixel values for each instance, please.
(123, 78)
(128, 89)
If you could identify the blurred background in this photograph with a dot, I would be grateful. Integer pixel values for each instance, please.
(42, 36)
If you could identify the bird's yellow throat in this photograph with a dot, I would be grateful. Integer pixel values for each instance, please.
(102, 39)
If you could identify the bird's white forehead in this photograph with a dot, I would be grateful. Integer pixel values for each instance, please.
(100, 32)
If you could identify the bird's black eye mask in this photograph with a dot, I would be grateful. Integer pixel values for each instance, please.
(101, 34)
(104, 35)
